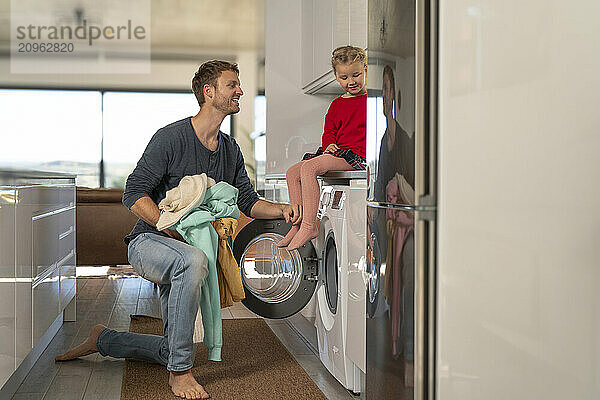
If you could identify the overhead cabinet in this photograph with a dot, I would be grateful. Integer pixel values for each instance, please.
(326, 25)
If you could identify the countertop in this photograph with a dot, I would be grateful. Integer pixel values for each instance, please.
(328, 175)
(16, 177)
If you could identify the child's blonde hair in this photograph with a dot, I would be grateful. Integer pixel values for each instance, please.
(348, 55)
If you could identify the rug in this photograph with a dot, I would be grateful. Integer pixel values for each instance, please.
(255, 366)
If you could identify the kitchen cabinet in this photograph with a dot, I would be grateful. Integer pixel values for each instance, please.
(37, 264)
(45, 217)
(7, 283)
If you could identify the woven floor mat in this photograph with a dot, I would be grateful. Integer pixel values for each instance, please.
(255, 366)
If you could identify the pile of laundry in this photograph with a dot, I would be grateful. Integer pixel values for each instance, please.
(205, 214)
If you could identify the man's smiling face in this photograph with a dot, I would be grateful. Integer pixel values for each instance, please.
(228, 93)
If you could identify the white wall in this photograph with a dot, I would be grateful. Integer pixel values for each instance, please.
(294, 119)
(519, 200)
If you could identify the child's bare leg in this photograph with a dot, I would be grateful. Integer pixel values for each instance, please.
(295, 191)
(310, 194)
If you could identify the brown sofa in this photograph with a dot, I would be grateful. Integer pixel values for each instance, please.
(102, 222)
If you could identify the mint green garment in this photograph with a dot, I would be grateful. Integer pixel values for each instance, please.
(195, 227)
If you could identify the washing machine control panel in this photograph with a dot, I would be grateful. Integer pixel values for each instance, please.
(325, 196)
(330, 198)
(337, 200)
(324, 201)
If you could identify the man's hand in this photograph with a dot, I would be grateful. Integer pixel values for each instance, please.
(174, 234)
(264, 209)
(332, 148)
(292, 213)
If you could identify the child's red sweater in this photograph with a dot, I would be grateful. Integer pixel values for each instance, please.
(346, 124)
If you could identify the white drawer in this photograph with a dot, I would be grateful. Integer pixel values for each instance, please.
(68, 277)
(66, 195)
(66, 233)
(45, 303)
(53, 238)
(44, 243)
(39, 199)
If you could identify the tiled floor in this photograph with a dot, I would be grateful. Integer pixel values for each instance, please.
(110, 301)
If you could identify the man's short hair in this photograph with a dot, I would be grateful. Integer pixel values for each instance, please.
(208, 73)
(348, 55)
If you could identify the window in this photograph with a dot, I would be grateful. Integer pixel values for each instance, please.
(52, 130)
(73, 130)
(130, 120)
(260, 142)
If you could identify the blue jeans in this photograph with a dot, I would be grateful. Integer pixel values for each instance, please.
(179, 270)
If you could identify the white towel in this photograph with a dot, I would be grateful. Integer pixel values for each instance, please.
(198, 328)
(182, 199)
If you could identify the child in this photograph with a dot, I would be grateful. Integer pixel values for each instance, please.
(343, 144)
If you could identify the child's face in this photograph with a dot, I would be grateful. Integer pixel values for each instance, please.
(352, 77)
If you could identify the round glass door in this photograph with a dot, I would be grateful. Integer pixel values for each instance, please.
(271, 273)
(331, 274)
(277, 282)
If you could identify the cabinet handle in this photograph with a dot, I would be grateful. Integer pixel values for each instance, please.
(36, 217)
(41, 278)
(66, 233)
(65, 258)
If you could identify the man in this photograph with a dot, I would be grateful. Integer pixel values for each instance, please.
(187, 147)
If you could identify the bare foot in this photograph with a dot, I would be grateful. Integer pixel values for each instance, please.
(85, 348)
(304, 235)
(184, 385)
(290, 235)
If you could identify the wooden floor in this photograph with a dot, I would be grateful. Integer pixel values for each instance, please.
(109, 302)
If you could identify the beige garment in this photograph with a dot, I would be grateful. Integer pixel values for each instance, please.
(198, 328)
(231, 288)
(182, 198)
(406, 192)
(398, 225)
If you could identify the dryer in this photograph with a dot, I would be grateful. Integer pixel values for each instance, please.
(279, 283)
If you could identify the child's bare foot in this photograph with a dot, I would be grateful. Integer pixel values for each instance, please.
(290, 235)
(85, 348)
(184, 385)
(304, 235)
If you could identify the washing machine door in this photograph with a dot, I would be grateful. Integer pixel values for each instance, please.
(278, 283)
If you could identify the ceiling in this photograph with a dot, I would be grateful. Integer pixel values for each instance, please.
(178, 27)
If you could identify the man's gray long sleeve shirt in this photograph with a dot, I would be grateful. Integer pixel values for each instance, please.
(174, 152)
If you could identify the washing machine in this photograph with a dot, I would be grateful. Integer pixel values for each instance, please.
(279, 283)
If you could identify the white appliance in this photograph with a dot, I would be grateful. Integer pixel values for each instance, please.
(340, 296)
(502, 251)
(280, 283)
(519, 222)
